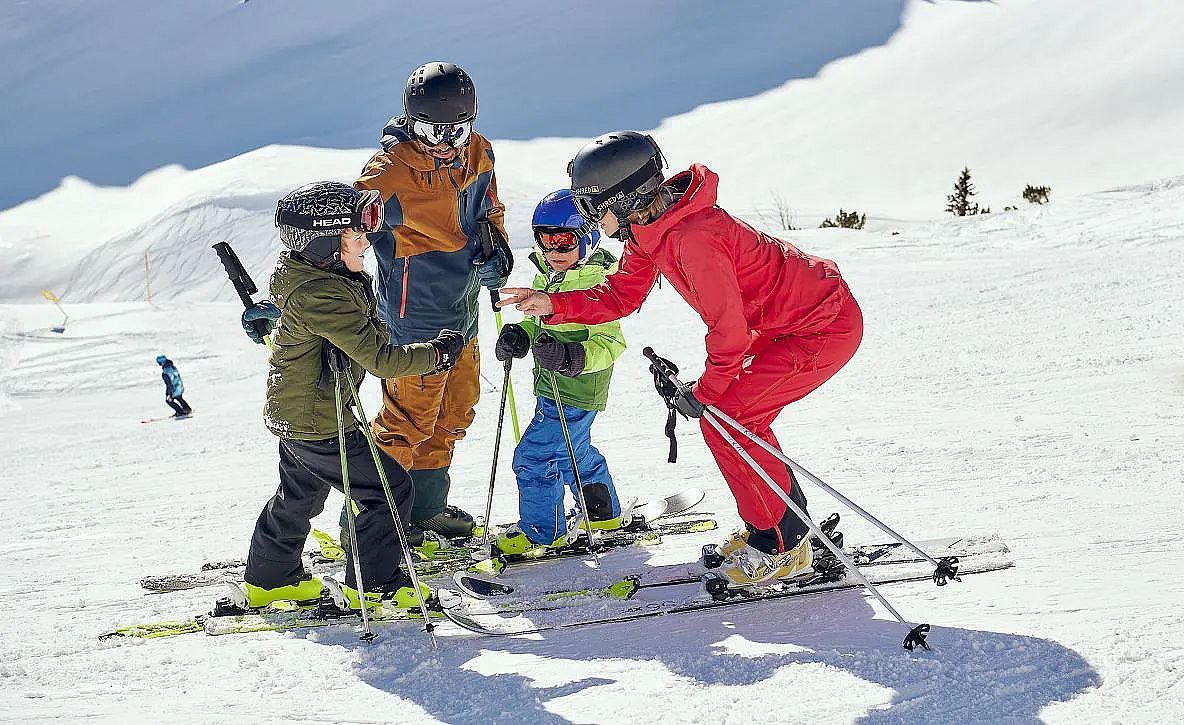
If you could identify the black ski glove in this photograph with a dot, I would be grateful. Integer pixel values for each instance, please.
(565, 358)
(677, 398)
(512, 342)
(263, 311)
(686, 403)
(448, 344)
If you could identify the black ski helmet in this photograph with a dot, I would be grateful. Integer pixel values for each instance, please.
(311, 218)
(619, 172)
(440, 92)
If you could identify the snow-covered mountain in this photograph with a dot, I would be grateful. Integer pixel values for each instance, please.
(1076, 96)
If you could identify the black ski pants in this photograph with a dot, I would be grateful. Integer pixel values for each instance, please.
(790, 529)
(179, 405)
(308, 469)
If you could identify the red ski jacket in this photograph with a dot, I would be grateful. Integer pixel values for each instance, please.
(749, 288)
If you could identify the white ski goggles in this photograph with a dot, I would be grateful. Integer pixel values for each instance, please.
(434, 134)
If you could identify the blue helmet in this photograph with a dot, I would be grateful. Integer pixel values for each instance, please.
(161, 359)
(558, 210)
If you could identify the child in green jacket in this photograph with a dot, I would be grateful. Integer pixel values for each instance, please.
(326, 307)
(579, 360)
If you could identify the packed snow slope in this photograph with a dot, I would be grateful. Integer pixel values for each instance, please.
(874, 106)
(1021, 373)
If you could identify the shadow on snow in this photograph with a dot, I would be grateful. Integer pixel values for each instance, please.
(970, 676)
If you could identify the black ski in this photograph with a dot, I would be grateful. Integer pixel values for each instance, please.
(513, 623)
(481, 587)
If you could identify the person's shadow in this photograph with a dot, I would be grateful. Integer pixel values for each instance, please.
(970, 676)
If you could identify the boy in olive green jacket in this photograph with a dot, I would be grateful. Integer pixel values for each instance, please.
(326, 308)
(578, 359)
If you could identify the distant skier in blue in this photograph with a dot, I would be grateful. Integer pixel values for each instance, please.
(173, 387)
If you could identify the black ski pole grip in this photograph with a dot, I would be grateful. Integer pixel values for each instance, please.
(660, 365)
(242, 282)
(487, 250)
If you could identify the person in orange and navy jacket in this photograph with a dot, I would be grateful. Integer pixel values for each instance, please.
(436, 179)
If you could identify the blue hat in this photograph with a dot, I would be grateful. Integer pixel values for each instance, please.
(161, 359)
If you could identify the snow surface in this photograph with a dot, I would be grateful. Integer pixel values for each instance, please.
(1021, 373)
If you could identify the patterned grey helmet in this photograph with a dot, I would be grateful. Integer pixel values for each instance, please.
(324, 209)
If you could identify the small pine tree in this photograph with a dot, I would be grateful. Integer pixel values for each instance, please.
(959, 203)
(1036, 194)
(845, 220)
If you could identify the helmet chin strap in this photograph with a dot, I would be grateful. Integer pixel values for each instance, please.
(332, 263)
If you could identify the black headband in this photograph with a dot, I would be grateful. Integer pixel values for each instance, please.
(319, 222)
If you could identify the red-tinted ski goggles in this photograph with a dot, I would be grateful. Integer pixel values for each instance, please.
(434, 134)
(556, 240)
(367, 216)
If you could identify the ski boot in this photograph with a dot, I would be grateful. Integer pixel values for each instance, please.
(399, 593)
(600, 509)
(513, 542)
(751, 568)
(713, 556)
(452, 523)
(306, 590)
(616, 523)
(245, 598)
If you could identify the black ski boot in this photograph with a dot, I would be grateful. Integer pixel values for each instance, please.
(452, 523)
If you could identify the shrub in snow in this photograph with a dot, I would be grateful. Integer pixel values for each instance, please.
(846, 220)
(1036, 194)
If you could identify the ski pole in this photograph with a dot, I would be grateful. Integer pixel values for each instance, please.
(368, 633)
(917, 633)
(575, 468)
(497, 444)
(947, 567)
(487, 233)
(507, 384)
(241, 280)
(429, 626)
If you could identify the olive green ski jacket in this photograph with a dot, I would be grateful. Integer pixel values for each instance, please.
(322, 308)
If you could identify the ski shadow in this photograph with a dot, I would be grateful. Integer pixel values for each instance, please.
(970, 676)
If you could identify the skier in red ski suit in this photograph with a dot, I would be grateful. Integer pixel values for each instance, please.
(779, 322)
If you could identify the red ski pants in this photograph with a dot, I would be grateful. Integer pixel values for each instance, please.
(780, 372)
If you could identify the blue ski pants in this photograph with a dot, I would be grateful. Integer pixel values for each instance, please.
(543, 467)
